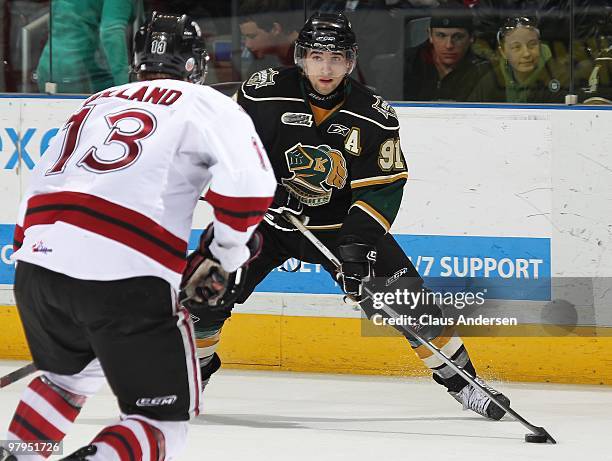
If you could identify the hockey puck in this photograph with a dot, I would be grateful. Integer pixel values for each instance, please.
(536, 438)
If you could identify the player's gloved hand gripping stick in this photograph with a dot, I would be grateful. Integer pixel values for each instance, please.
(538, 435)
(206, 285)
(356, 266)
(284, 202)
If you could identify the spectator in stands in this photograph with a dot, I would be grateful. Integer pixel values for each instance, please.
(269, 29)
(88, 48)
(444, 68)
(526, 72)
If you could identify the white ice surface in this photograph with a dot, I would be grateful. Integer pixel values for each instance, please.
(253, 415)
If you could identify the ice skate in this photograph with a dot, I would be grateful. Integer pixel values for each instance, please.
(473, 399)
(6, 455)
(82, 454)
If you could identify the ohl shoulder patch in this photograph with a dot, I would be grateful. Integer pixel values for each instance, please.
(262, 78)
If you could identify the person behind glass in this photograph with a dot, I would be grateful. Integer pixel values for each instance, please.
(444, 68)
(526, 71)
(269, 29)
(599, 89)
(87, 50)
(101, 240)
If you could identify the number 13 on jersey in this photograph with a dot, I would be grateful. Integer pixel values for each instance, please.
(118, 133)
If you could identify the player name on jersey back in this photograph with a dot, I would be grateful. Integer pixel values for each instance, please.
(146, 93)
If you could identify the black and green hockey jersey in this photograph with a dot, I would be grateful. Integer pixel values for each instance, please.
(349, 171)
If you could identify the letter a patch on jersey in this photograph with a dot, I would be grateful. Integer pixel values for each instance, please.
(352, 143)
(262, 78)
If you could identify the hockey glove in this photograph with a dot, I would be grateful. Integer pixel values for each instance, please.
(357, 268)
(284, 202)
(206, 286)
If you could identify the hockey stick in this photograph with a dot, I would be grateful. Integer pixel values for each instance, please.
(227, 88)
(17, 374)
(539, 434)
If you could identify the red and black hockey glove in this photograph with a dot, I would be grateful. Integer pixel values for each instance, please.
(205, 284)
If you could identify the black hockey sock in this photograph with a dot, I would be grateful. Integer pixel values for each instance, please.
(455, 383)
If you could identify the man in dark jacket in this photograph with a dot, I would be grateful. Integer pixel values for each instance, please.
(444, 68)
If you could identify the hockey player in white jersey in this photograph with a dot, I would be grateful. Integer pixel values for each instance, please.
(101, 241)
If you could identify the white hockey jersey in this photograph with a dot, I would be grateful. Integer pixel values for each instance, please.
(113, 197)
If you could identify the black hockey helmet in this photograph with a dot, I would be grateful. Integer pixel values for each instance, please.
(326, 32)
(171, 44)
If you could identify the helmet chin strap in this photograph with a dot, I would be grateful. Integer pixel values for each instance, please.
(327, 101)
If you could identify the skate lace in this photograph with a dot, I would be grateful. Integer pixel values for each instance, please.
(476, 400)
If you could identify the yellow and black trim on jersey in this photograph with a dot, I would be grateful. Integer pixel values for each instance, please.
(325, 227)
(374, 214)
(374, 180)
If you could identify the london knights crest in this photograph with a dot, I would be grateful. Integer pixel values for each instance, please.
(315, 170)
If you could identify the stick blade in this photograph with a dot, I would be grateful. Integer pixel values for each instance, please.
(540, 435)
(17, 374)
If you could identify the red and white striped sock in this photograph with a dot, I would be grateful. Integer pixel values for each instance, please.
(45, 413)
(130, 440)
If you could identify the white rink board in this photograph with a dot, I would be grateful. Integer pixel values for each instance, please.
(571, 205)
(471, 175)
(10, 178)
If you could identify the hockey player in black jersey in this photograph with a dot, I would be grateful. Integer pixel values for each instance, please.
(335, 150)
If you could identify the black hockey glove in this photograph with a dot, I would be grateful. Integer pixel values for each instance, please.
(208, 290)
(284, 202)
(357, 268)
